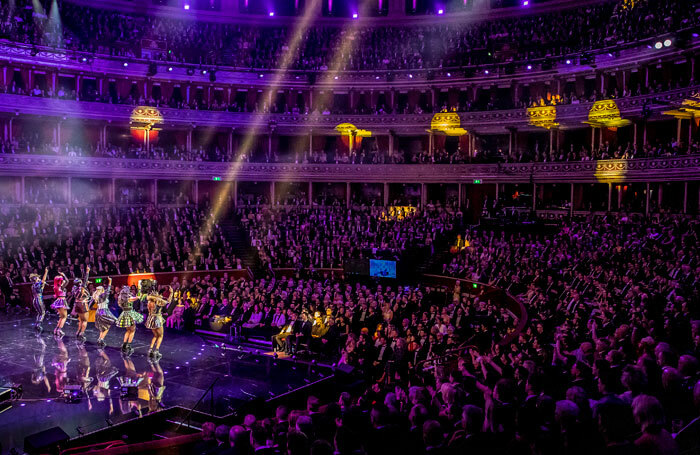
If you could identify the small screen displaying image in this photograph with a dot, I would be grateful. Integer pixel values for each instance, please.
(382, 269)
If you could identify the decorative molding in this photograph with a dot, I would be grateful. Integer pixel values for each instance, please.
(640, 170)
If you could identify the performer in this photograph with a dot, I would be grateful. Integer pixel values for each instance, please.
(128, 318)
(39, 373)
(104, 319)
(81, 305)
(38, 299)
(104, 373)
(156, 321)
(60, 304)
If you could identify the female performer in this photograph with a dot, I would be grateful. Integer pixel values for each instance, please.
(60, 304)
(81, 305)
(155, 321)
(104, 319)
(38, 299)
(128, 318)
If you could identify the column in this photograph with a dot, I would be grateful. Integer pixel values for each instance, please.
(685, 196)
(311, 142)
(571, 209)
(391, 143)
(459, 194)
(609, 197)
(534, 196)
(23, 197)
(644, 135)
(113, 191)
(347, 195)
(229, 145)
(188, 145)
(592, 138)
(235, 193)
(619, 197)
(196, 192)
(269, 145)
(9, 131)
(386, 194)
(646, 207)
(551, 140)
(510, 141)
(311, 189)
(634, 133)
(660, 197)
(155, 192)
(678, 130)
(498, 191)
(423, 195)
(431, 139)
(272, 193)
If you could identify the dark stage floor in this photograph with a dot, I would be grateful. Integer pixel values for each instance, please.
(189, 365)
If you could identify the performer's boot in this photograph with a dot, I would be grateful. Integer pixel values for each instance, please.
(151, 353)
(156, 354)
(129, 349)
(101, 343)
(125, 347)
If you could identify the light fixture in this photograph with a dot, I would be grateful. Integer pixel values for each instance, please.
(658, 45)
(486, 71)
(170, 68)
(126, 64)
(271, 14)
(410, 76)
(204, 71)
(568, 62)
(449, 74)
(529, 67)
(376, 77)
(260, 76)
(187, 6)
(526, 2)
(441, 11)
(354, 15)
(335, 77)
(667, 42)
(84, 59)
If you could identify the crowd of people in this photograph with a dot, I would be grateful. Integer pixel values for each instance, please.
(326, 237)
(554, 34)
(110, 241)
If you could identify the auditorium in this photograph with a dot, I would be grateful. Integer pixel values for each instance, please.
(350, 227)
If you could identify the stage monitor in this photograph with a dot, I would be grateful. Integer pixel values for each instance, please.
(382, 269)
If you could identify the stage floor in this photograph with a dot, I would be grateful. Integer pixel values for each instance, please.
(188, 367)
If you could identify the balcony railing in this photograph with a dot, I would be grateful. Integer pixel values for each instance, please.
(682, 168)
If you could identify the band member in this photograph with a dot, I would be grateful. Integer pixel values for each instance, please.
(38, 299)
(81, 304)
(128, 318)
(156, 321)
(60, 304)
(104, 319)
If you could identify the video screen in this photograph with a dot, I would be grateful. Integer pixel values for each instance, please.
(382, 269)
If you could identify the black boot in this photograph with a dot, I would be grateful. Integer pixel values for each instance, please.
(101, 343)
(125, 347)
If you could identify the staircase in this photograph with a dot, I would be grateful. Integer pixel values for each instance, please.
(235, 233)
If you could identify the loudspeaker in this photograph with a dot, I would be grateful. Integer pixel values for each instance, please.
(47, 441)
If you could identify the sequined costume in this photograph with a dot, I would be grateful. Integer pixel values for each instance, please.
(82, 300)
(155, 316)
(59, 291)
(104, 318)
(129, 317)
(38, 299)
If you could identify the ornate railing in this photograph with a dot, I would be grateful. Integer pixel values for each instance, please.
(640, 170)
(483, 122)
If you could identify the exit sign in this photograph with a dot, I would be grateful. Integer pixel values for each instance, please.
(98, 280)
(216, 179)
(477, 181)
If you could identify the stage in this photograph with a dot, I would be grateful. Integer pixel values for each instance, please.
(189, 366)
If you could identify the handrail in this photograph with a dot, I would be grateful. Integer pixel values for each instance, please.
(93, 447)
(189, 414)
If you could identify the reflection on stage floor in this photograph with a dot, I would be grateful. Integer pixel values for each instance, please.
(53, 372)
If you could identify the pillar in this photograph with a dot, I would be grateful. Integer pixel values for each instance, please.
(272, 193)
(229, 145)
(269, 144)
(685, 197)
(311, 142)
(609, 196)
(113, 191)
(571, 208)
(196, 192)
(188, 144)
(592, 138)
(431, 140)
(459, 194)
(23, 197)
(9, 131)
(551, 140)
(634, 133)
(660, 197)
(534, 196)
(423, 195)
(646, 209)
(391, 143)
(678, 130)
(619, 198)
(498, 189)
(311, 189)
(155, 192)
(510, 142)
(386, 194)
(644, 135)
(347, 194)
(235, 193)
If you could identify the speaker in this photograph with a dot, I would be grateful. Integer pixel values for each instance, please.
(47, 441)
